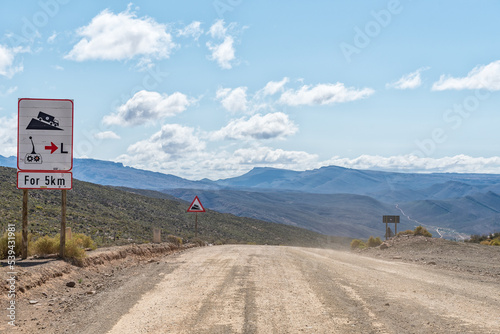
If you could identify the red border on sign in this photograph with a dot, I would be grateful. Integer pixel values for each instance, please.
(194, 200)
(44, 172)
(72, 132)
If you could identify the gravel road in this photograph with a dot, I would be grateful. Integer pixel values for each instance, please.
(264, 289)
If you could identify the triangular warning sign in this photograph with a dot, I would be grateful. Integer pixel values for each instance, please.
(196, 206)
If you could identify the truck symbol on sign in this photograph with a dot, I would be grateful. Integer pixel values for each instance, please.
(47, 118)
(43, 121)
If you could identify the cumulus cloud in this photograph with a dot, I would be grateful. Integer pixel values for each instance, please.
(170, 146)
(8, 65)
(268, 156)
(323, 94)
(233, 100)
(222, 52)
(122, 36)
(147, 106)
(8, 136)
(408, 81)
(192, 30)
(481, 77)
(106, 135)
(412, 163)
(273, 87)
(271, 126)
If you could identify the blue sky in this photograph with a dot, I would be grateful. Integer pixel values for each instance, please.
(214, 88)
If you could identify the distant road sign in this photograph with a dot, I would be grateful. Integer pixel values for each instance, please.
(45, 135)
(44, 180)
(196, 206)
(391, 219)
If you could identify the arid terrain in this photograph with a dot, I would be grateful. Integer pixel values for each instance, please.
(416, 285)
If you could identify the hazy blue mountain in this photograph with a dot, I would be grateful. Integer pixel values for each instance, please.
(8, 162)
(331, 200)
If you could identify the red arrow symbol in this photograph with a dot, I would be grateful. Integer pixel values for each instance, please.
(52, 147)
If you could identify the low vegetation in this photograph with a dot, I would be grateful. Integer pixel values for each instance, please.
(492, 239)
(371, 242)
(47, 245)
(419, 230)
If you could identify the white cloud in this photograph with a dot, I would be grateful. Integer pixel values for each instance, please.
(192, 30)
(233, 100)
(323, 94)
(8, 66)
(413, 163)
(170, 146)
(481, 77)
(8, 136)
(58, 68)
(52, 38)
(7, 92)
(122, 36)
(408, 81)
(271, 126)
(217, 30)
(106, 135)
(273, 87)
(147, 106)
(274, 157)
(223, 53)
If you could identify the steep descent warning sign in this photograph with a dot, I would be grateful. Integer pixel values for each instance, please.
(196, 206)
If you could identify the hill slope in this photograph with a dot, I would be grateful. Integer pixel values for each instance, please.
(107, 213)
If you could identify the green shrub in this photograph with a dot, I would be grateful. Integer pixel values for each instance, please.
(46, 245)
(356, 243)
(407, 232)
(495, 242)
(374, 242)
(18, 237)
(198, 242)
(84, 240)
(74, 249)
(174, 240)
(420, 230)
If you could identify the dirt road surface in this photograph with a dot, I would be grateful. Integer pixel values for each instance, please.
(266, 289)
(262, 289)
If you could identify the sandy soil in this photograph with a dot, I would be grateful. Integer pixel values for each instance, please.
(265, 289)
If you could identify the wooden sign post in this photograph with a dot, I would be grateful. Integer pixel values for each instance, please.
(391, 220)
(196, 207)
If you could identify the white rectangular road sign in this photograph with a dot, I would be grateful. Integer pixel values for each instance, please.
(45, 135)
(44, 180)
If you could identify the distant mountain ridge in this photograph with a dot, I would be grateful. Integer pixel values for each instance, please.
(332, 200)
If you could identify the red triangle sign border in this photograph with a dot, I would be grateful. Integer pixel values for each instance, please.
(196, 206)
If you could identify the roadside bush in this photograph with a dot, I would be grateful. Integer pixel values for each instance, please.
(495, 242)
(356, 243)
(198, 242)
(420, 230)
(74, 249)
(46, 245)
(485, 242)
(84, 240)
(407, 232)
(4, 243)
(174, 240)
(374, 242)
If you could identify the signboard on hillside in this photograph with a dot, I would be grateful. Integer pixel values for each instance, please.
(45, 135)
(196, 206)
(45, 144)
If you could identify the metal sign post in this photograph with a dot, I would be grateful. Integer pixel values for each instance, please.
(196, 207)
(390, 220)
(44, 153)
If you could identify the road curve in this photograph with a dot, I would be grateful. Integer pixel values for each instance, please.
(266, 289)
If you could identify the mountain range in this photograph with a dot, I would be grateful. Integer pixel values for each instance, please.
(331, 200)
